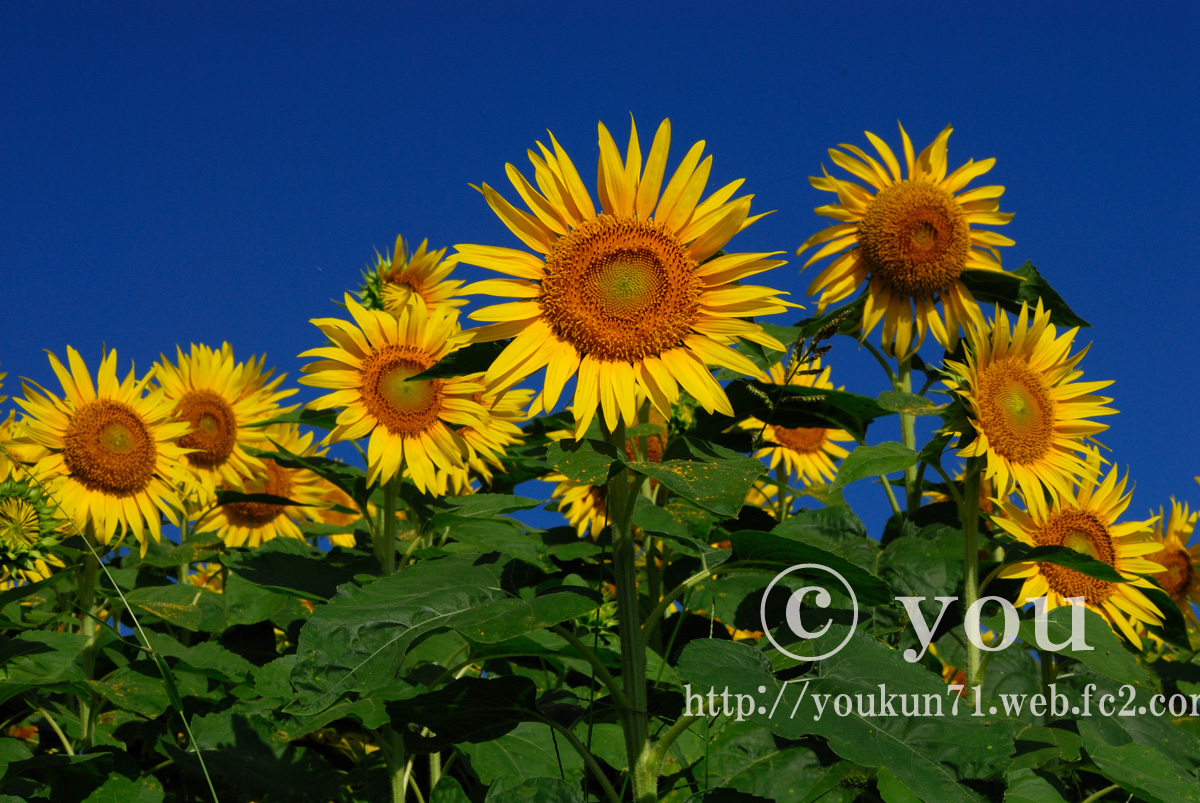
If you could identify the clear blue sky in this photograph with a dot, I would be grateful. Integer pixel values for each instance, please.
(180, 172)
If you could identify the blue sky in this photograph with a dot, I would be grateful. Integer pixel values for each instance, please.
(199, 172)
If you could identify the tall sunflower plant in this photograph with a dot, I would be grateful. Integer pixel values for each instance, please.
(564, 520)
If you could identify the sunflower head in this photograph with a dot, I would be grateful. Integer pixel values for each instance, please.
(908, 234)
(112, 452)
(1086, 522)
(1028, 416)
(1178, 575)
(369, 367)
(804, 452)
(405, 277)
(632, 299)
(220, 399)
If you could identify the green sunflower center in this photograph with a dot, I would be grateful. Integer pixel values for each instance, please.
(915, 238)
(109, 448)
(1016, 412)
(214, 428)
(402, 406)
(619, 288)
(1083, 532)
(20, 525)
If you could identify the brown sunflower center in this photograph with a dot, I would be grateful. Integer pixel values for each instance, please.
(1083, 532)
(915, 238)
(109, 448)
(619, 288)
(1176, 576)
(403, 407)
(20, 525)
(276, 481)
(1016, 412)
(214, 428)
(805, 440)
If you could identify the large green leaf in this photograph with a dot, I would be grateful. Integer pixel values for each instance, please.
(37, 657)
(929, 755)
(473, 359)
(535, 790)
(469, 710)
(1063, 556)
(798, 406)
(713, 477)
(1024, 285)
(1140, 769)
(529, 750)
(119, 789)
(290, 566)
(358, 640)
(587, 461)
(759, 548)
(478, 506)
(874, 461)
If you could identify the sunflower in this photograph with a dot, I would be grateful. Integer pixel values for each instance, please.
(633, 299)
(1085, 521)
(219, 398)
(252, 523)
(368, 366)
(28, 531)
(114, 455)
(909, 238)
(583, 505)
(1178, 575)
(804, 452)
(486, 443)
(417, 278)
(1027, 410)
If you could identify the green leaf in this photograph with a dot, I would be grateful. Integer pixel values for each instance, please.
(177, 604)
(755, 547)
(496, 535)
(1031, 786)
(799, 406)
(449, 790)
(137, 688)
(38, 657)
(726, 796)
(1063, 556)
(874, 461)
(587, 461)
(119, 789)
(350, 479)
(1024, 285)
(473, 359)
(198, 547)
(536, 790)
(290, 566)
(357, 641)
(469, 710)
(892, 790)
(910, 403)
(480, 506)
(208, 658)
(713, 477)
(1109, 657)
(321, 419)
(848, 316)
(530, 749)
(1140, 769)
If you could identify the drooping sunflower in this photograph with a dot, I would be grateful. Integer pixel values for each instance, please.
(114, 460)
(1028, 412)
(418, 278)
(805, 452)
(1178, 576)
(1085, 521)
(583, 505)
(368, 366)
(631, 299)
(910, 238)
(252, 523)
(219, 398)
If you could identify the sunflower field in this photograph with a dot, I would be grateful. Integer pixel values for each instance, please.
(211, 592)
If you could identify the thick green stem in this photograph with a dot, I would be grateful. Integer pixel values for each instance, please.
(397, 765)
(633, 649)
(908, 436)
(87, 626)
(658, 754)
(385, 545)
(783, 501)
(969, 513)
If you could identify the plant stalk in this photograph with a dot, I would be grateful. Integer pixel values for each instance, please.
(619, 502)
(908, 436)
(969, 513)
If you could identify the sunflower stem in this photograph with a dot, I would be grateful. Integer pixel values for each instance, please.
(908, 436)
(969, 513)
(783, 501)
(87, 625)
(633, 650)
(385, 545)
